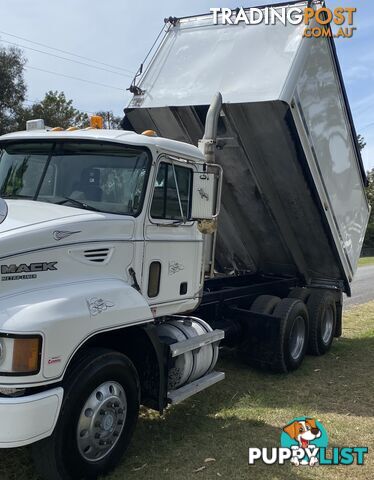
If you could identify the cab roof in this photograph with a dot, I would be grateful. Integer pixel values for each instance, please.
(119, 136)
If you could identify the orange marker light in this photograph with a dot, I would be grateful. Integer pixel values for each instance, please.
(96, 122)
(26, 355)
(149, 133)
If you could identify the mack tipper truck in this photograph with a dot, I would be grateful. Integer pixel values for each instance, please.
(229, 213)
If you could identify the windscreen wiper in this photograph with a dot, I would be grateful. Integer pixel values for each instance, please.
(15, 195)
(78, 203)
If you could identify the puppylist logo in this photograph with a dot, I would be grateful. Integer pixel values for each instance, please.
(317, 21)
(304, 441)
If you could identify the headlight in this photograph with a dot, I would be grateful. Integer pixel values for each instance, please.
(19, 355)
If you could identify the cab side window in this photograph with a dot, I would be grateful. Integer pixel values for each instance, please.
(166, 203)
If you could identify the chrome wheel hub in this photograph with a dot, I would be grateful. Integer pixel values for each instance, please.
(327, 325)
(297, 337)
(101, 421)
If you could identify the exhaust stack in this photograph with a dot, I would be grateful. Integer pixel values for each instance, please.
(208, 143)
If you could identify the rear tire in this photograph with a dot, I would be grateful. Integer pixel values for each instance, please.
(322, 318)
(293, 335)
(265, 304)
(300, 293)
(287, 351)
(97, 418)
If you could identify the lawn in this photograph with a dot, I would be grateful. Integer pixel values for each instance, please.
(207, 437)
(366, 261)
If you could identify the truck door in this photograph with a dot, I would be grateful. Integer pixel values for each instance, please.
(173, 245)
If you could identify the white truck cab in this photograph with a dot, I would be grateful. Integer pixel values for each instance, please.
(97, 237)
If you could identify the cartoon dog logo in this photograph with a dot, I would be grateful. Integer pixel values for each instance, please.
(304, 432)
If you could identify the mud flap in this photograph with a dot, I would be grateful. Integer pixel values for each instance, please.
(260, 336)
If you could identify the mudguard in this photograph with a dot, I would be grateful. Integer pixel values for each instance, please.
(68, 315)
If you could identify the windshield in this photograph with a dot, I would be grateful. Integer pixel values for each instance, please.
(103, 177)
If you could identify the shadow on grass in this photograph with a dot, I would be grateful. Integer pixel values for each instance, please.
(339, 382)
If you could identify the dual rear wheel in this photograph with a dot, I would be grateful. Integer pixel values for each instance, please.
(322, 311)
(307, 325)
(288, 349)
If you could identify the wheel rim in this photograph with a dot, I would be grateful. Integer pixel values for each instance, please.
(327, 325)
(101, 421)
(297, 337)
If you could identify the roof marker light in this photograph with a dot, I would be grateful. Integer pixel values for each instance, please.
(37, 124)
(149, 133)
(96, 122)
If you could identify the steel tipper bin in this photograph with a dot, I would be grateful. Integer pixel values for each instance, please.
(293, 199)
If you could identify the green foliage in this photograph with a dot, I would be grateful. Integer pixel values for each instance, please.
(55, 110)
(369, 237)
(12, 88)
(370, 188)
(366, 261)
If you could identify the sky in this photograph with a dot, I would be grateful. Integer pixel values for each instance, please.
(119, 33)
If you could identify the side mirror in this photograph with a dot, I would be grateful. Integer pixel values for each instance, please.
(206, 195)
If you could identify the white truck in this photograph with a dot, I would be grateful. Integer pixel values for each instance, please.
(118, 283)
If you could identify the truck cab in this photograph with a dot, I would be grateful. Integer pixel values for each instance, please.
(73, 182)
(101, 253)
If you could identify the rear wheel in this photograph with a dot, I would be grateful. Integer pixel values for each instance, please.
(293, 335)
(97, 418)
(300, 293)
(322, 314)
(279, 350)
(265, 304)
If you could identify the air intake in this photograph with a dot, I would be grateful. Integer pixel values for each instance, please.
(98, 255)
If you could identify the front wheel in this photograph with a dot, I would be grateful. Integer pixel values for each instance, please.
(97, 418)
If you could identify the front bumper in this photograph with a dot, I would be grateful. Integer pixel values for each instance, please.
(25, 420)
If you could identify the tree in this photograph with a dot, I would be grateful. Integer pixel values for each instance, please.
(55, 110)
(361, 142)
(12, 87)
(369, 237)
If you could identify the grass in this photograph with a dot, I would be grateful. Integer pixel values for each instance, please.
(207, 437)
(366, 261)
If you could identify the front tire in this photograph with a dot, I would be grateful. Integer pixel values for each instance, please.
(97, 418)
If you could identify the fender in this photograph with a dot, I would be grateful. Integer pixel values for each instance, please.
(66, 316)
